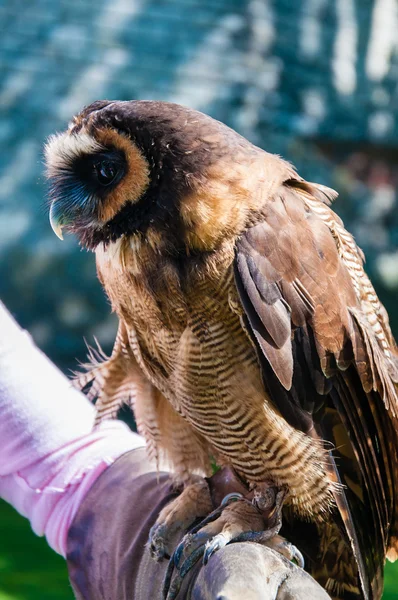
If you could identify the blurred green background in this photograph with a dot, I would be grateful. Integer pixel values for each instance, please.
(313, 80)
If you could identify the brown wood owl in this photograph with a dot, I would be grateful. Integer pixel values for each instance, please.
(249, 334)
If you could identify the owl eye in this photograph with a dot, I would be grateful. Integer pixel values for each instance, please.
(106, 171)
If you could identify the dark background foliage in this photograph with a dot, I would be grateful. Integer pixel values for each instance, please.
(313, 80)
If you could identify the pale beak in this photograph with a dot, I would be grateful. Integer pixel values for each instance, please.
(56, 222)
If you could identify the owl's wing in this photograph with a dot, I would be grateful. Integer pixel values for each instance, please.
(327, 355)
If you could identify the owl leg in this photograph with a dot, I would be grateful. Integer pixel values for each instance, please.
(257, 520)
(193, 503)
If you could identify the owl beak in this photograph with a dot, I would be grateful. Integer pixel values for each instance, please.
(56, 221)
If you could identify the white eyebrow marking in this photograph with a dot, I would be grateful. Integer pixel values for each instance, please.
(62, 148)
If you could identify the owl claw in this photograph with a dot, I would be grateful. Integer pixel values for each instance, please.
(239, 521)
(157, 546)
(212, 546)
(288, 550)
(297, 557)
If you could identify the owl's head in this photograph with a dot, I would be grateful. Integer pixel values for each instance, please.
(156, 171)
(123, 168)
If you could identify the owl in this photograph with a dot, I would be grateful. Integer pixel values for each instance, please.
(249, 334)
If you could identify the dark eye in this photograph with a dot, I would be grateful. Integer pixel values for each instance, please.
(106, 171)
(99, 173)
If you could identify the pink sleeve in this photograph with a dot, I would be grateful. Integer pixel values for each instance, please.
(49, 453)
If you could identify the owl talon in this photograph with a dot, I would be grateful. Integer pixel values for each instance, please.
(212, 546)
(157, 546)
(297, 557)
(288, 550)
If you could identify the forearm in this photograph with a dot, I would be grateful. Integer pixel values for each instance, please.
(49, 455)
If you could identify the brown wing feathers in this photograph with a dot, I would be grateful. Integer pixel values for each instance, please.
(270, 321)
(321, 350)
